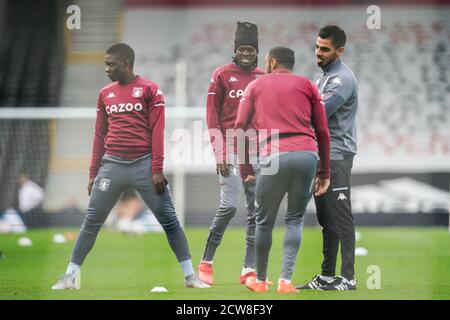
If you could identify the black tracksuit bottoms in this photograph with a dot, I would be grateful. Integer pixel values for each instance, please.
(334, 213)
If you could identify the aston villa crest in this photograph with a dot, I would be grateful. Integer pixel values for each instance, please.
(103, 185)
(137, 92)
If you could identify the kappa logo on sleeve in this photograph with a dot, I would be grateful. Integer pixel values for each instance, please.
(337, 81)
(104, 183)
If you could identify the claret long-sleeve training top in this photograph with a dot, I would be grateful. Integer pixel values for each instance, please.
(130, 123)
(290, 105)
(225, 91)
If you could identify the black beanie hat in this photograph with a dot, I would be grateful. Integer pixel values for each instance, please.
(246, 34)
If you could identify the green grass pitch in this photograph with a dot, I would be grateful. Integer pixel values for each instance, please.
(413, 262)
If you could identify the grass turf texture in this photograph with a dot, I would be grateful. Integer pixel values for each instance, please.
(414, 264)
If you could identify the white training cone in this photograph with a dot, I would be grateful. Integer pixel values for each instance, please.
(360, 251)
(25, 242)
(59, 238)
(159, 289)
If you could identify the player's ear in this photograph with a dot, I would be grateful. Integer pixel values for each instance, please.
(340, 51)
(273, 63)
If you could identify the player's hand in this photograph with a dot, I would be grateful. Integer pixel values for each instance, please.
(159, 180)
(90, 185)
(321, 186)
(223, 169)
(250, 179)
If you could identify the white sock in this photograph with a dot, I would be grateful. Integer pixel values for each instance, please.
(246, 270)
(326, 278)
(187, 267)
(285, 280)
(206, 261)
(73, 267)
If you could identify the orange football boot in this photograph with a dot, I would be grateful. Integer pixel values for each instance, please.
(286, 287)
(205, 272)
(256, 286)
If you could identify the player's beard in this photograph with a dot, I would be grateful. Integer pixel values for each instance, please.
(247, 67)
(323, 63)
